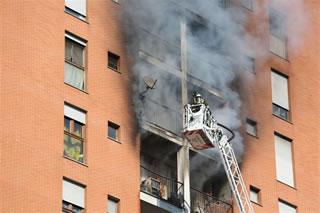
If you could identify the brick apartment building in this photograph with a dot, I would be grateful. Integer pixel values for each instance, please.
(75, 138)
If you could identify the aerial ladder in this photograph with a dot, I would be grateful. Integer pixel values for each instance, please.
(203, 132)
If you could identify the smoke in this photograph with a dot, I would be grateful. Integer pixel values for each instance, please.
(218, 43)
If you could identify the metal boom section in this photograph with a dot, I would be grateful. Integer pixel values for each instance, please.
(203, 132)
(234, 175)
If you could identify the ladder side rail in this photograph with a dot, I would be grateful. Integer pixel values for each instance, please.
(244, 193)
(228, 168)
(234, 175)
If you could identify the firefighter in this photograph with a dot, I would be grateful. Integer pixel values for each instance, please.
(197, 99)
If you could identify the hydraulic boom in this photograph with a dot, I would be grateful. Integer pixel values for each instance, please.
(203, 132)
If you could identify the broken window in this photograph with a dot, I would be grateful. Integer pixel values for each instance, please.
(278, 38)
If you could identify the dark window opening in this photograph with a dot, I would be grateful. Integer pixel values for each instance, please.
(280, 112)
(113, 61)
(113, 131)
(251, 127)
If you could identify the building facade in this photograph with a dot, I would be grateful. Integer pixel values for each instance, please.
(92, 96)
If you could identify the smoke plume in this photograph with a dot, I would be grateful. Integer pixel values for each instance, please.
(218, 46)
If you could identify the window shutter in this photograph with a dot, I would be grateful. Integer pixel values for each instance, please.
(112, 206)
(280, 90)
(285, 208)
(75, 114)
(284, 165)
(73, 193)
(78, 6)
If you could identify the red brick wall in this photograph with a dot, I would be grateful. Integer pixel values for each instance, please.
(302, 67)
(32, 99)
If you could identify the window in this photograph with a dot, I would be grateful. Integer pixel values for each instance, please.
(73, 197)
(280, 97)
(248, 4)
(113, 61)
(76, 8)
(112, 204)
(284, 167)
(113, 131)
(251, 127)
(285, 207)
(255, 194)
(278, 39)
(249, 64)
(74, 66)
(74, 133)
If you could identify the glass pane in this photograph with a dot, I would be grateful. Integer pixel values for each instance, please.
(78, 128)
(68, 49)
(67, 126)
(112, 132)
(74, 76)
(77, 54)
(73, 148)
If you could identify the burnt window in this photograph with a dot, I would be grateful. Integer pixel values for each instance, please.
(113, 61)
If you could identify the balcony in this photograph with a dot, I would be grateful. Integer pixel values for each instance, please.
(204, 203)
(161, 187)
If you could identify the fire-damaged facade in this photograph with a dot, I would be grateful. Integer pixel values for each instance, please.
(174, 176)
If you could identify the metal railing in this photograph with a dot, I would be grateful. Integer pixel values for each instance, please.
(204, 203)
(161, 187)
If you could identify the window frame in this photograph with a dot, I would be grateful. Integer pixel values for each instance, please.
(288, 140)
(72, 133)
(115, 200)
(286, 203)
(74, 13)
(288, 111)
(116, 127)
(254, 124)
(283, 38)
(83, 43)
(114, 57)
(71, 205)
(258, 192)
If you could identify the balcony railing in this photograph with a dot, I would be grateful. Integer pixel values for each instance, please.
(161, 187)
(205, 203)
